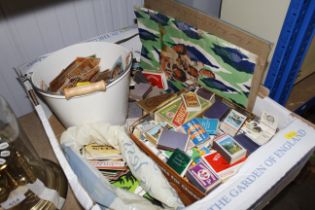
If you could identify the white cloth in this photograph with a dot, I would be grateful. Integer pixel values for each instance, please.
(142, 167)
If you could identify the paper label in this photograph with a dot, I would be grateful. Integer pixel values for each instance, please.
(180, 116)
(45, 193)
(4, 145)
(15, 198)
(5, 153)
(2, 161)
(38, 188)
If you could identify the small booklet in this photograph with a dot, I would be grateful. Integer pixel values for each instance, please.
(229, 148)
(179, 161)
(258, 132)
(270, 121)
(221, 166)
(191, 102)
(246, 142)
(149, 104)
(100, 152)
(153, 134)
(176, 114)
(217, 110)
(196, 132)
(206, 94)
(171, 140)
(157, 79)
(232, 122)
(210, 125)
(203, 176)
(263, 130)
(109, 164)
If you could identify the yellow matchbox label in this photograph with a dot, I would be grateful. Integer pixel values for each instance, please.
(290, 135)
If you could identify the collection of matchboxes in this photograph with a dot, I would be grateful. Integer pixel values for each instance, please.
(202, 137)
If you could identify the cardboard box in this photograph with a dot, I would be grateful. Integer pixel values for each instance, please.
(268, 169)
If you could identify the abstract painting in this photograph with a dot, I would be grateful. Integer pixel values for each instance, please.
(189, 57)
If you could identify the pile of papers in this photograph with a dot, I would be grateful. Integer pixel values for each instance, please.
(109, 161)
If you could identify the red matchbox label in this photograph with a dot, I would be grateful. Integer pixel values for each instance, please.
(180, 116)
(155, 79)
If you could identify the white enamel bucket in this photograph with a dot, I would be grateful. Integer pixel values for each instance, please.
(102, 106)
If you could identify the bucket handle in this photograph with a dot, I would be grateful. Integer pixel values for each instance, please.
(82, 90)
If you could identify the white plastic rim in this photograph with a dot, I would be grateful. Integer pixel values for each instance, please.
(105, 106)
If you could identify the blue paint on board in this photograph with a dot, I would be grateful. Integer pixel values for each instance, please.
(216, 84)
(187, 29)
(234, 58)
(147, 35)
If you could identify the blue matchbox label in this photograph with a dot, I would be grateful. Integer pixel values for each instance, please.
(210, 125)
(196, 132)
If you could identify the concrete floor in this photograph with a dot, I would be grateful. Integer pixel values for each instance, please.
(301, 92)
(300, 194)
(297, 196)
(37, 136)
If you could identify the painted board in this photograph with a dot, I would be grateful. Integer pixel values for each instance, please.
(255, 50)
(189, 56)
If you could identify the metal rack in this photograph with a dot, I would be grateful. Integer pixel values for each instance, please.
(294, 40)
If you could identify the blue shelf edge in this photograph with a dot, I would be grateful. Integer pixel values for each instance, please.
(293, 43)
